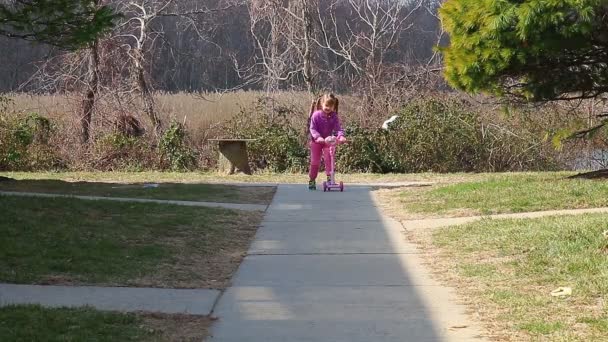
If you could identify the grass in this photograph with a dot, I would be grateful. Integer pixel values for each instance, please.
(200, 112)
(506, 193)
(214, 177)
(508, 268)
(34, 323)
(199, 109)
(165, 191)
(69, 241)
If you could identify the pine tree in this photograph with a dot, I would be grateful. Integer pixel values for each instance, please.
(536, 49)
(68, 24)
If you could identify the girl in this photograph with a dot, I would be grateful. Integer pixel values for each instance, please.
(322, 123)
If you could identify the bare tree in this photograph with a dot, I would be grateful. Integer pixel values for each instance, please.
(271, 62)
(139, 24)
(283, 33)
(115, 69)
(144, 29)
(365, 41)
(178, 40)
(302, 36)
(92, 84)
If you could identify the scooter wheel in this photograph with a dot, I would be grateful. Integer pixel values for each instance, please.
(341, 186)
(324, 186)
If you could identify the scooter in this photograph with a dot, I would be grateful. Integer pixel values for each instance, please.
(332, 184)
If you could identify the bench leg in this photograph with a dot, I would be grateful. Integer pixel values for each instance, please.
(233, 156)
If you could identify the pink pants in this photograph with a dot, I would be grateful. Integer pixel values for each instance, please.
(315, 159)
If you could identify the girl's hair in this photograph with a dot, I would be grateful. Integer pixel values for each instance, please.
(316, 105)
(325, 98)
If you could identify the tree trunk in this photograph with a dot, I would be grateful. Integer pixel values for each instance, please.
(308, 36)
(146, 93)
(272, 84)
(88, 103)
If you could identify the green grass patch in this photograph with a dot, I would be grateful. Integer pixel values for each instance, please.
(70, 241)
(214, 177)
(599, 324)
(515, 264)
(34, 323)
(508, 193)
(478, 270)
(542, 328)
(164, 191)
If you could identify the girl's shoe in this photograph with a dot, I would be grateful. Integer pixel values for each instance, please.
(312, 185)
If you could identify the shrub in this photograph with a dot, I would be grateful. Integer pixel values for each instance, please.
(175, 152)
(440, 133)
(119, 152)
(280, 144)
(25, 143)
(441, 136)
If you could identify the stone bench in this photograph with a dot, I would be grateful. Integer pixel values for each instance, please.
(233, 155)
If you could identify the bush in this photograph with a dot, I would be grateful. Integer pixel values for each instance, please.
(25, 143)
(440, 136)
(439, 133)
(280, 144)
(176, 154)
(119, 152)
(431, 134)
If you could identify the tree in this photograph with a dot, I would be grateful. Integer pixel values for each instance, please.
(68, 24)
(142, 33)
(533, 50)
(364, 37)
(282, 32)
(113, 72)
(536, 50)
(369, 36)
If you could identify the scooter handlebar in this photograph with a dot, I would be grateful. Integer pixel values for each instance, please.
(332, 140)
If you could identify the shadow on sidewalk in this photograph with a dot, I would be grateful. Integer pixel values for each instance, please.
(326, 267)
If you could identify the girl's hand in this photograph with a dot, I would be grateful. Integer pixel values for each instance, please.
(341, 139)
(320, 140)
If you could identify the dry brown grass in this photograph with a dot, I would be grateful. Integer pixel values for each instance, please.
(442, 266)
(213, 270)
(163, 191)
(177, 327)
(199, 111)
(205, 117)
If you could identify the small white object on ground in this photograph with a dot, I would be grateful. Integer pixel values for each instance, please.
(561, 292)
(387, 122)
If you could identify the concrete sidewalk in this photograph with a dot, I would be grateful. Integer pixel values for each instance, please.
(331, 267)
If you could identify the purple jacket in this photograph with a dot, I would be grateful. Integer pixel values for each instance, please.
(324, 126)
